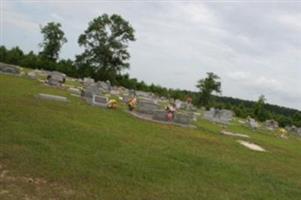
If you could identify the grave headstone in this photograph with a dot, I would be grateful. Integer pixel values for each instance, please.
(299, 131)
(88, 81)
(178, 104)
(252, 123)
(75, 91)
(219, 116)
(242, 121)
(52, 97)
(102, 86)
(115, 92)
(55, 78)
(294, 130)
(91, 90)
(38, 74)
(9, 69)
(109, 85)
(146, 107)
(132, 92)
(271, 125)
(143, 94)
(291, 129)
(32, 75)
(195, 116)
(99, 100)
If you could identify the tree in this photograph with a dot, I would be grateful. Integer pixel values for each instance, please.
(29, 60)
(3, 52)
(105, 41)
(259, 111)
(53, 40)
(14, 56)
(207, 86)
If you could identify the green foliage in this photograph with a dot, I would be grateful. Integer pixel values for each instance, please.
(208, 85)
(14, 55)
(259, 111)
(105, 41)
(53, 40)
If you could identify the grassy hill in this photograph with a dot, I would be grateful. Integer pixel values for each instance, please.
(76, 151)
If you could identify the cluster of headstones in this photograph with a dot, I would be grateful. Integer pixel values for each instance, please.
(268, 124)
(95, 92)
(51, 78)
(148, 103)
(272, 125)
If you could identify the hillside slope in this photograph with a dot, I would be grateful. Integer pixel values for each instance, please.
(76, 151)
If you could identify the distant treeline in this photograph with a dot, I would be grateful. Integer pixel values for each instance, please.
(242, 108)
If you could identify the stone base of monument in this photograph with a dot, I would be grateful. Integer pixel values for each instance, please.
(160, 115)
(52, 97)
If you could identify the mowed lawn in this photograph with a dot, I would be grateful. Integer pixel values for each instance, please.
(85, 152)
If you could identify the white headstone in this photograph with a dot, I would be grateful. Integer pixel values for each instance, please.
(52, 97)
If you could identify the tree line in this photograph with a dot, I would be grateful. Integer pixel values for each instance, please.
(105, 57)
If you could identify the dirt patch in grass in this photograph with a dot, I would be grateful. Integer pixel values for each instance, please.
(24, 187)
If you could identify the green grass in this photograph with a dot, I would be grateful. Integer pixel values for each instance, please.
(105, 154)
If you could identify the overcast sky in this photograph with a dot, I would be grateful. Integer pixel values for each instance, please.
(254, 47)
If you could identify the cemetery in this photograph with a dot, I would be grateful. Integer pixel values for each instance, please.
(171, 100)
(84, 104)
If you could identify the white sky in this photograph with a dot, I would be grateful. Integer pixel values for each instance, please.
(254, 47)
